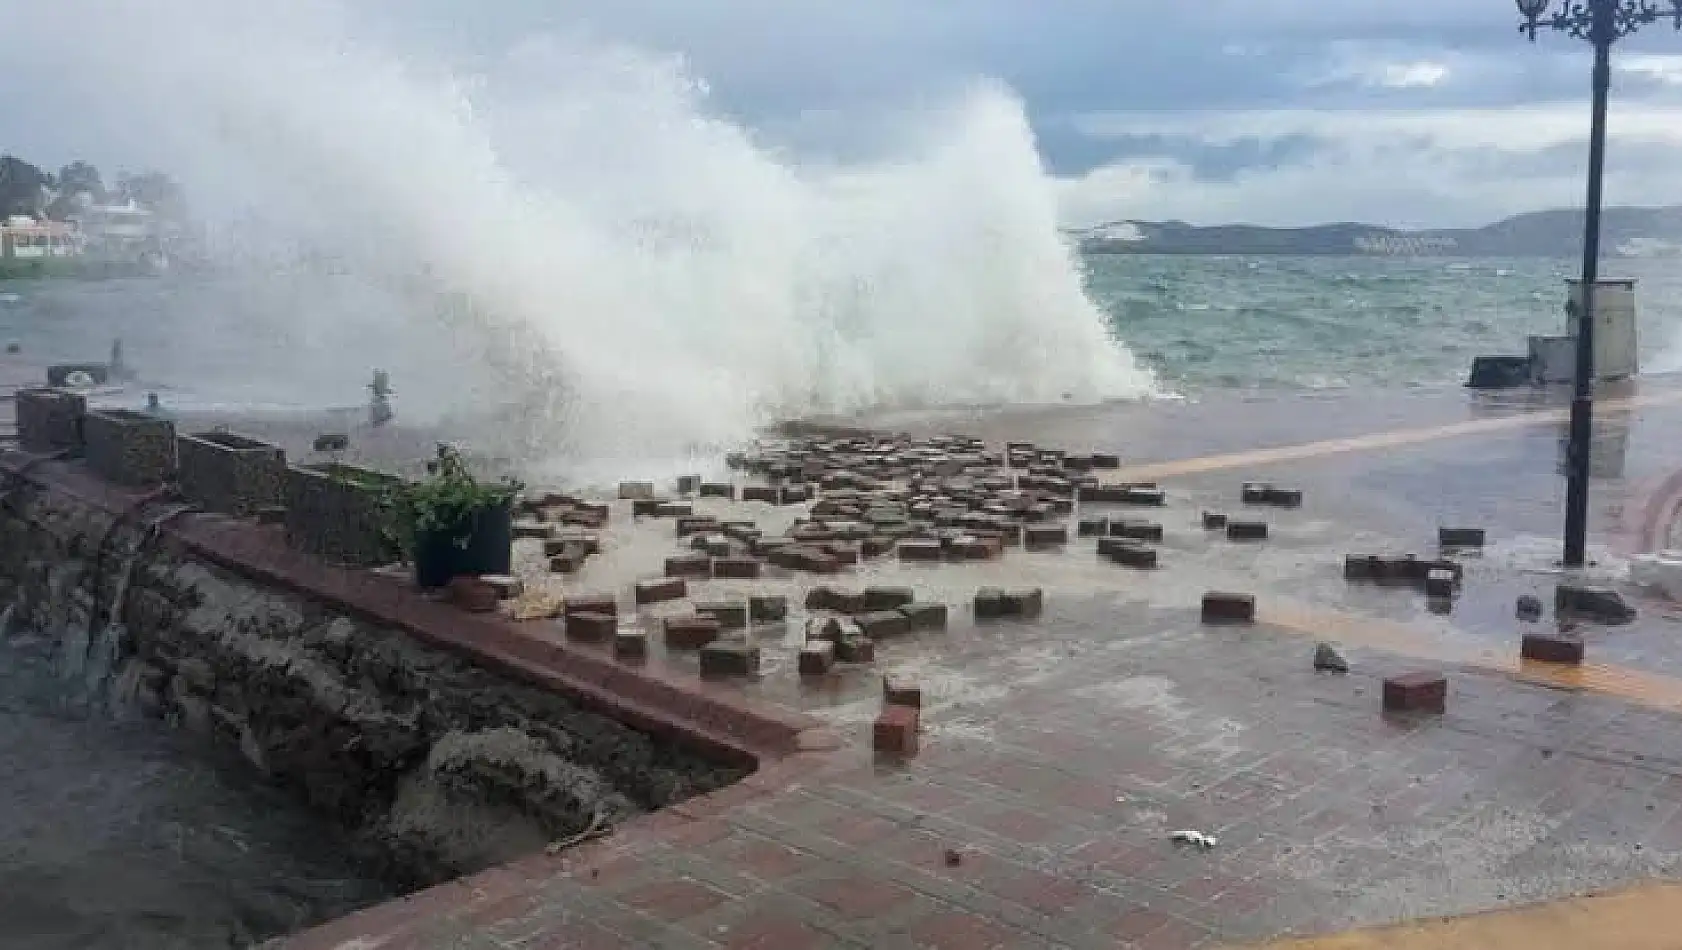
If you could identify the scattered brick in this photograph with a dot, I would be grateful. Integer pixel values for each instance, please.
(736, 568)
(887, 598)
(919, 551)
(591, 627)
(925, 616)
(567, 561)
(723, 658)
(690, 632)
(1153, 497)
(1529, 607)
(1136, 530)
(507, 586)
(1130, 554)
(883, 624)
(989, 603)
(767, 608)
(630, 644)
(895, 731)
(817, 658)
(636, 491)
(731, 615)
(527, 530)
(1600, 604)
(1221, 607)
(977, 548)
(1254, 493)
(718, 490)
(855, 649)
(1024, 602)
(664, 589)
(1044, 536)
(1214, 521)
(1416, 692)
(696, 566)
(688, 484)
(646, 507)
(1552, 648)
(1246, 530)
(901, 691)
(761, 493)
(1092, 527)
(1439, 583)
(1460, 537)
(592, 603)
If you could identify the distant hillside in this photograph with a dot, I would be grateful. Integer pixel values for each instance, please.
(1626, 232)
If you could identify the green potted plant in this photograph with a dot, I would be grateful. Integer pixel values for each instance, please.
(453, 523)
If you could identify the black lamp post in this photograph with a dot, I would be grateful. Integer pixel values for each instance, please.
(1602, 23)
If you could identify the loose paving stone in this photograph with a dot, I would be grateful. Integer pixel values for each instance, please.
(567, 561)
(673, 509)
(731, 615)
(689, 632)
(883, 624)
(899, 690)
(925, 616)
(1105, 460)
(658, 591)
(1529, 607)
(895, 731)
(762, 493)
(729, 658)
(1600, 604)
(767, 608)
(695, 566)
(817, 658)
(735, 568)
(592, 603)
(647, 507)
(528, 530)
(855, 649)
(1552, 648)
(887, 598)
(1136, 530)
(1328, 660)
(1246, 530)
(1036, 537)
(591, 627)
(1129, 553)
(1024, 602)
(989, 603)
(630, 643)
(1460, 537)
(688, 484)
(920, 551)
(1093, 527)
(1254, 493)
(718, 490)
(1416, 692)
(1149, 497)
(1223, 607)
(507, 587)
(636, 491)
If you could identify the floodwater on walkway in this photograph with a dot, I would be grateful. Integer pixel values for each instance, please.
(126, 834)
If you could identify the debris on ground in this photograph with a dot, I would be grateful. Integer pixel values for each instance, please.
(1327, 659)
(1196, 839)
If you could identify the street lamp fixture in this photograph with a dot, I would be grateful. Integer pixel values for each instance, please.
(1602, 23)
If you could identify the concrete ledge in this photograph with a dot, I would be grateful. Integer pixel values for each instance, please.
(709, 719)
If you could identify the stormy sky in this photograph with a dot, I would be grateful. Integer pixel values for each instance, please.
(1428, 112)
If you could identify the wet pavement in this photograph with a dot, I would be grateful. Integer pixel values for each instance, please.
(1060, 754)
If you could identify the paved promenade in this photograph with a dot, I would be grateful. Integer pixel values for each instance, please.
(1060, 754)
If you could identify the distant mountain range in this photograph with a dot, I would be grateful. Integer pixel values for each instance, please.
(1625, 232)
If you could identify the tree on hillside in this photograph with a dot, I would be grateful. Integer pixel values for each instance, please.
(21, 186)
(80, 177)
(156, 192)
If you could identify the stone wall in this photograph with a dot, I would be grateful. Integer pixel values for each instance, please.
(444, 766)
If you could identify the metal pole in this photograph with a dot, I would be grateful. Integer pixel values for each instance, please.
(1582, 402)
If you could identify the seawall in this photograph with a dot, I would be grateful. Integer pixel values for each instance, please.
(446, 742)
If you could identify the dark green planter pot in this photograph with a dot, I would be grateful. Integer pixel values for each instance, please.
(489, 549)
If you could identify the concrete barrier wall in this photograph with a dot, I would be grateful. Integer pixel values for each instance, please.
(447, 764)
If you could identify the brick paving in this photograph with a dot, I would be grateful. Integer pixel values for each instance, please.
(1060, 755)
